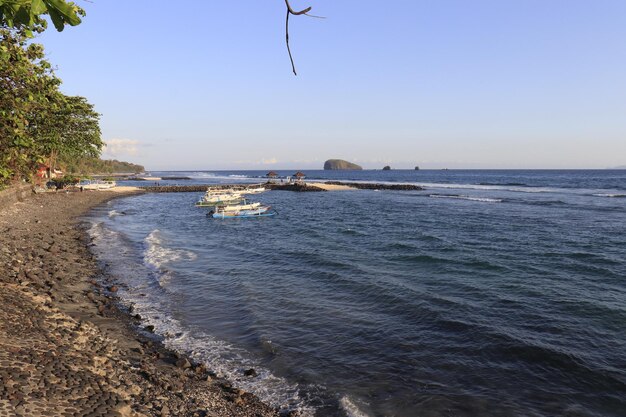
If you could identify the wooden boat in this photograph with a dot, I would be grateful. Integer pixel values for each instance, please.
(242, 211)
(217, 196)
(96, 184)
(253, 189)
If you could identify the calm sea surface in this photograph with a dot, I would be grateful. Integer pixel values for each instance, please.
(489, 293)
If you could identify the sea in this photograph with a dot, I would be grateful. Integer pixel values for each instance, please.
(487, 293)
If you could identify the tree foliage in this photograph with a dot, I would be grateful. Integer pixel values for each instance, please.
(85, 166)
(38, 122)
(29, 14)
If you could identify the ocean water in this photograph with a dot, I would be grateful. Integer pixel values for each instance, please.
(489, 293)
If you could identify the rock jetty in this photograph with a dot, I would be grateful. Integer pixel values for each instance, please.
(378, 186)
(339, 164)
(298, 187)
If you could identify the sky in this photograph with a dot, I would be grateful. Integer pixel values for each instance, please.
(207, 85)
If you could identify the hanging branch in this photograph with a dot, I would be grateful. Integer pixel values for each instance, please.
(295, 13)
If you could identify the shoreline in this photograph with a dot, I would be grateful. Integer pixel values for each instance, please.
(65, 346)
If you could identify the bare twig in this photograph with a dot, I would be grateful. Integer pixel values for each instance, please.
(293, 66)
(295, 13)
(308, 9)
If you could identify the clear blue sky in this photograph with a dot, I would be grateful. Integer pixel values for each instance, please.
(437, 83)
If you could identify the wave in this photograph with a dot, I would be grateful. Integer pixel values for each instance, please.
(466, 197)
(224, 359)
(509, 184)
(114, 213)
(350, 408)
(154, 306)
(157, 256)
(202, 175)
(610, 195)
(518, 189)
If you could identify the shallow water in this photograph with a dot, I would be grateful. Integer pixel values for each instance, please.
(492, 293)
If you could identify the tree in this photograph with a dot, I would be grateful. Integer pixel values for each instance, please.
(28, 14)
(27, 86)
(37, 121)
(69, 128)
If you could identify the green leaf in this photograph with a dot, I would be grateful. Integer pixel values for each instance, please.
(57, 20)
(67, 11)
(37, 7)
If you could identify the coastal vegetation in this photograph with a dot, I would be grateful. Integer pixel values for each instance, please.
(99, 166)
(38, 123)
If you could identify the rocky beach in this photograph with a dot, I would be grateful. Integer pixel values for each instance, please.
(66, 349)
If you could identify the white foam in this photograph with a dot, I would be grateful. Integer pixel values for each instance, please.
(202, 175)
(466, 197)
(114, 213)
(222, 358)
(518, 189)
(610, 195)
(157, 255)
(99, 233)
(350, 408)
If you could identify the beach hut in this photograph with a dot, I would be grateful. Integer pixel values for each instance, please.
(271, 176)
(299, 176)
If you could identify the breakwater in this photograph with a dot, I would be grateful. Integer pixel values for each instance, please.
(202, 188)
(180, 188)
(377, 186)
(294, 187)
(297, 187)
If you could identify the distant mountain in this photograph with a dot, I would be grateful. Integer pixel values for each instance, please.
(340, 164)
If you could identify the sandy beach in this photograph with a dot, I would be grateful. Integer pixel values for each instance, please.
(65, 347)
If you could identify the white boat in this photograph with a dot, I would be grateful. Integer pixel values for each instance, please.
(253, 189)
(96, 184)
(219, 196)
(238, 207)
(243, 210)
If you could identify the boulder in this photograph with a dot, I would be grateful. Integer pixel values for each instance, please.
(387, 168)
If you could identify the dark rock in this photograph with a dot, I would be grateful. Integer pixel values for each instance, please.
(183, 363)
(375, 186)
(113, 288)
(387, 168)
(149, 328)
(340, 164)
(250, 372)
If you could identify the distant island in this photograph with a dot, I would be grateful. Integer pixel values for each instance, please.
(332, 164)
(387, 168)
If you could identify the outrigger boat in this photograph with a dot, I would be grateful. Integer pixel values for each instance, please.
(253, 189)
(241, 210)
(214, 197)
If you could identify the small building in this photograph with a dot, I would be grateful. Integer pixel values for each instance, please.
(43, 171)
(300, 176)
(271, 176)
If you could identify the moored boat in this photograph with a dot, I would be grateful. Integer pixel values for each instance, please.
(218, 196)
(242, 211)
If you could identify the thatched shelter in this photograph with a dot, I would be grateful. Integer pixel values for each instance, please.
(271, 174)
(299, 175)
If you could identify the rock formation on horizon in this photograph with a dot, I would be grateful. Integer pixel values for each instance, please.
(340, 164)
(387, 168)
